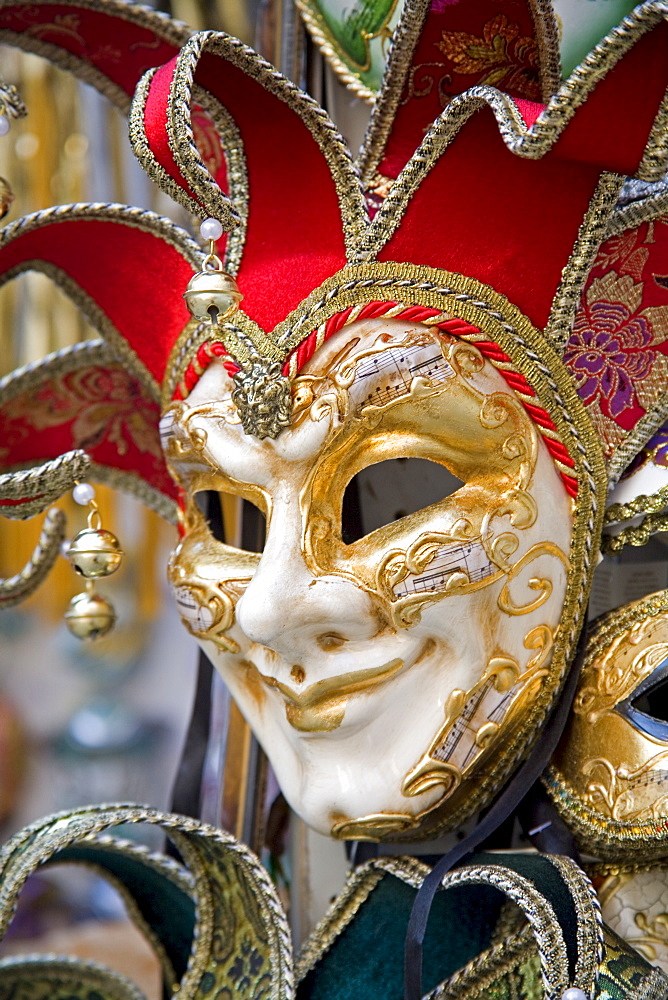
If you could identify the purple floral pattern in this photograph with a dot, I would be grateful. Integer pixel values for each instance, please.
(613, 353)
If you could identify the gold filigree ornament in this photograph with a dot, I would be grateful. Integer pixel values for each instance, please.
(399, 672)
(609, 778)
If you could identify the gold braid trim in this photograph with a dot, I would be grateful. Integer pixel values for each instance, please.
(644, 210)
(232, 147)
(334, 150)
(635, 535)
(589, 922)
(547, 36)
(165, 866)
(479, 976)
(164, 27)
(67, 359)
(604, 836)
(60, 975)
(43, 484)
(544, 926)
(131, 482)
(593, 230)
(533, 142)
(150, 165)
(404, 40)
(17, 588)
(642, 504)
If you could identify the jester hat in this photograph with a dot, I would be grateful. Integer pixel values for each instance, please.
(493, 221)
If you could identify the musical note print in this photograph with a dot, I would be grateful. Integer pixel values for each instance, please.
(198, 617)
(461, 746)
(388, 375)
(469, 558)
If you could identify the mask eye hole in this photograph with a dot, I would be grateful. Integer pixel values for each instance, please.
(226, 526)
(654, 702)
(387, 491)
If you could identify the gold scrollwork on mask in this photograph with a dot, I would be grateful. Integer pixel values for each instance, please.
(615, 790)
(613, 678)
(543, 585)
(208, 611)
(476, 719)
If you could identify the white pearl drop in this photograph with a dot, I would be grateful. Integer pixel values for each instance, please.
(573, 993)
(211, 229)
(4, 124)
(83, 493)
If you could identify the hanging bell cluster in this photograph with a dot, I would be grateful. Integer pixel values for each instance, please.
(93, 553)
(212, 294)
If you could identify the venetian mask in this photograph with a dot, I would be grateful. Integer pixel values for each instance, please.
(400, 312)
(610, 776)
(406, 652)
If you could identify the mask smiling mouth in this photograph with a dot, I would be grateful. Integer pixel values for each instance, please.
(320, 708)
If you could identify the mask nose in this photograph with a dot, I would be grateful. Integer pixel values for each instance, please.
(289, 610)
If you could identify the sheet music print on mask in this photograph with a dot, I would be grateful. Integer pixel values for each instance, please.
(394, 372)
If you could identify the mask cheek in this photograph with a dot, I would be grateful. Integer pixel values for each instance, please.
(207, 579)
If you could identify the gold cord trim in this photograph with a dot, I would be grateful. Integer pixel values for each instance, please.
(17, 588)
(42, 485)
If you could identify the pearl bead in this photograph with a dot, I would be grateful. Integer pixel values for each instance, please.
(573, 993)
(211, 229)
(83, 493)
(4, 124)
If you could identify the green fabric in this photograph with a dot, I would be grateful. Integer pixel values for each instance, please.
(168, 910)
(367, 959)
(622, 970)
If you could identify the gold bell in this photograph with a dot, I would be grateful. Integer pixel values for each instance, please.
(212, 294)
(89, 616)
(95, 552)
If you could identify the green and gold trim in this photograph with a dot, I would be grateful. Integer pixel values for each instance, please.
(228, 884)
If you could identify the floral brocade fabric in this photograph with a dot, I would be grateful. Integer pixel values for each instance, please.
(618, 348)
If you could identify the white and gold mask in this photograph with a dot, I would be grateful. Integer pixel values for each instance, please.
(381, 673)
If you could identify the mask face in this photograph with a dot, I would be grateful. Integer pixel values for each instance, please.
(610, 773)
(384, 667)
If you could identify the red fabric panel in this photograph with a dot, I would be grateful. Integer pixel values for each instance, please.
(118, 47)
(611, 129)
(294, 238)
(102, 409)
(136, 278)
(508, 222)
(155, 123)
(529, 111)
(462, 43)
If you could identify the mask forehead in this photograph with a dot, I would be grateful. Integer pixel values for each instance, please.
(426, 640)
